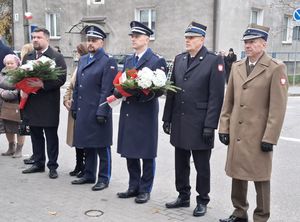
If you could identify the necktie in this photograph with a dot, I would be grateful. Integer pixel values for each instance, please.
(38, 55)
(251, 67)
(90, 59)
(136, 59)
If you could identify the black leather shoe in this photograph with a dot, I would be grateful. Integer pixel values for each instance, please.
(29, 160)
(127, 194)
(34, 169)
(200, 210)
(80, 174)
(179, 202)
(233, 218)
(142, 198)
(82, 181)
(53, 174)
(99, 186)
(74, 172)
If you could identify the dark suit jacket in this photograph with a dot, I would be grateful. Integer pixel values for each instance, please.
(199, 103)
(42, 108)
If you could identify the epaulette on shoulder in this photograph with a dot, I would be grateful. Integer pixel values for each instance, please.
(277, 61)
(158, 55)
(182, 54)
(211, 53)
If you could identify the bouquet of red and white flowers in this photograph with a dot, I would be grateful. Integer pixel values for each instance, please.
(144, 81)
(41, 69)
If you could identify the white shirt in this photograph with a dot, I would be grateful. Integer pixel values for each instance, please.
(141, 54)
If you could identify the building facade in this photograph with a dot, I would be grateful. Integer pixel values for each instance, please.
(226, 21)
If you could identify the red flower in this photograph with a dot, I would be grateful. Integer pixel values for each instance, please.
(132, 73)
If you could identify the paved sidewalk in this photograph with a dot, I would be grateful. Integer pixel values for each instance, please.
(36, 198)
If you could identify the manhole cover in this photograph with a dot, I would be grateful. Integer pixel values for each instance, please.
(94, 213)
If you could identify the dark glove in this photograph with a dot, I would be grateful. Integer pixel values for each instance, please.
(117, 94)
(101, 119)
(224, 138)
(208, 136)
(266, 147)
(159, 93)
(73, 114)
(132, 92)
(167, 127)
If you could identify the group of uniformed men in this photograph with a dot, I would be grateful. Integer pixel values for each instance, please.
(250, 120)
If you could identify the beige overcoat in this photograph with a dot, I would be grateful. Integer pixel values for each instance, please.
(68, 96)
(253, 111)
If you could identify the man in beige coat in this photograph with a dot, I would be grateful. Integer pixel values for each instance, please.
(250, 123)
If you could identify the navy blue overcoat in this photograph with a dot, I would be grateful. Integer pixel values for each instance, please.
(93, 85)
(138, 124)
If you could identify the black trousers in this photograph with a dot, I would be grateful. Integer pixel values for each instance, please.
(142, 183)
(91, 161)
(182, 173)
(38, 146)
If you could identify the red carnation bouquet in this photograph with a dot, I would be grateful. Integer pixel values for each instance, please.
(143, 81)
(42, 69)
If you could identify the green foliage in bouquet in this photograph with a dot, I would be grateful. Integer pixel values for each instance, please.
(168, 87)
(44, 71)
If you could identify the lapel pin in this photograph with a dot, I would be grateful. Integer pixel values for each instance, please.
(201, 58)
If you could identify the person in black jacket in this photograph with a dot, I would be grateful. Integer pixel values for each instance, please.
(41, 111)
(229, 59)
(191, 115)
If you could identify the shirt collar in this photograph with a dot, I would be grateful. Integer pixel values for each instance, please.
(252, 63)
(44, 50)
(141, 54)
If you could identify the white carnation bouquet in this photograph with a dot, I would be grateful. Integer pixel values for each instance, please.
(143, 81)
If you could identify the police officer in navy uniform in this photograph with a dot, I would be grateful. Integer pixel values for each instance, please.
(138, 125)
(93, 123)
(192, 114)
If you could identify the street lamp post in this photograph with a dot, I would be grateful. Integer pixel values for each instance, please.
(25, 21)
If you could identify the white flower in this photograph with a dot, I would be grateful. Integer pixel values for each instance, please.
(160, 78)
(145, 77)
(44, 59)
(27, 67)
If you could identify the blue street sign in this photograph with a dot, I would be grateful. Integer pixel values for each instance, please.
(296, 15)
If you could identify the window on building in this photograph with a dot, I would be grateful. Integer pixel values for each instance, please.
(98, 1)
(148, 18)
(287, 33)
(256, 16)
(52, 24)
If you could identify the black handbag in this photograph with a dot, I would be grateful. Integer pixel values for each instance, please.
(24, 130)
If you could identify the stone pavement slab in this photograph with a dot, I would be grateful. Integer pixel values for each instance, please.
(36, 198)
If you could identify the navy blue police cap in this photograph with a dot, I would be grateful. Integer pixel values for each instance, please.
(255, 31)
(140, 28)
(94, 31)
(195, 29)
